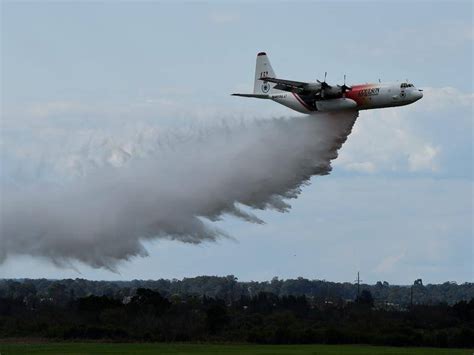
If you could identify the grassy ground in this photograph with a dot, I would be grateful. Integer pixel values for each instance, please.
(177, 349)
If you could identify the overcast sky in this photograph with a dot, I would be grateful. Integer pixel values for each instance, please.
(398, 204)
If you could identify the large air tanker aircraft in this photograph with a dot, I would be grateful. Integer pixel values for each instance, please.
(319, 96)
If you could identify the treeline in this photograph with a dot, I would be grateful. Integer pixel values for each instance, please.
(264, 318)
(229, 288)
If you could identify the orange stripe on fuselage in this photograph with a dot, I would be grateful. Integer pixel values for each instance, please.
(354, 94)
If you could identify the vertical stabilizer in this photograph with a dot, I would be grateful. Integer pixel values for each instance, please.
(263, 68)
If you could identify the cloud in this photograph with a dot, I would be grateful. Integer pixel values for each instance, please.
(389, 263)
(424, 159)
(364, 167)
(224, 17)
(427, 137)
(385, 142)
(53, 108)
(426, 39)
(436, 99)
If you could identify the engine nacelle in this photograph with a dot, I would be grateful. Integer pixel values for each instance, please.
(336, 104)
(312, 86)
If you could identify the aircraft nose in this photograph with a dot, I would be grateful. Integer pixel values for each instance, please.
(418, 94)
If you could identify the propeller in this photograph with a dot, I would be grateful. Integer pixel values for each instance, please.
(324, 84)
(344, 87)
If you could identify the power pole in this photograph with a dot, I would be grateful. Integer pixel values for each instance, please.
(358, 280)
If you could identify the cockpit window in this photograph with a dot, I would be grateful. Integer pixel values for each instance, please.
(406, 85)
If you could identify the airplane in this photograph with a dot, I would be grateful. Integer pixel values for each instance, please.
(319, 96)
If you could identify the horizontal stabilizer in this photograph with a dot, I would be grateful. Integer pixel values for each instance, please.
(257, 96)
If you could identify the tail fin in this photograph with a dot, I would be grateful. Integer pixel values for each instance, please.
(263, 68)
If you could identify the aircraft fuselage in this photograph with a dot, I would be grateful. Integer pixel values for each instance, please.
(361, 97)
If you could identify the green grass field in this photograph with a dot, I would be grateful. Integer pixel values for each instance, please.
(146, 349)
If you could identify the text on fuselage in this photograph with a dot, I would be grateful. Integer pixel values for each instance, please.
(369, 92)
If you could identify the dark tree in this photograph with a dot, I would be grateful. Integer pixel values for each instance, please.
(365, 298)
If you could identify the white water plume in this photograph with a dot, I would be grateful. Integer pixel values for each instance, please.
(173, 192)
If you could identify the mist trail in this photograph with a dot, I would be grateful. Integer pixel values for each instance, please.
(103, 218)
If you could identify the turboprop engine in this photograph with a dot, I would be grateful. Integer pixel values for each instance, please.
(336, 104)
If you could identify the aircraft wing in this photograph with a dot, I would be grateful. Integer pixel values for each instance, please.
(257, 96)
(290, 85)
